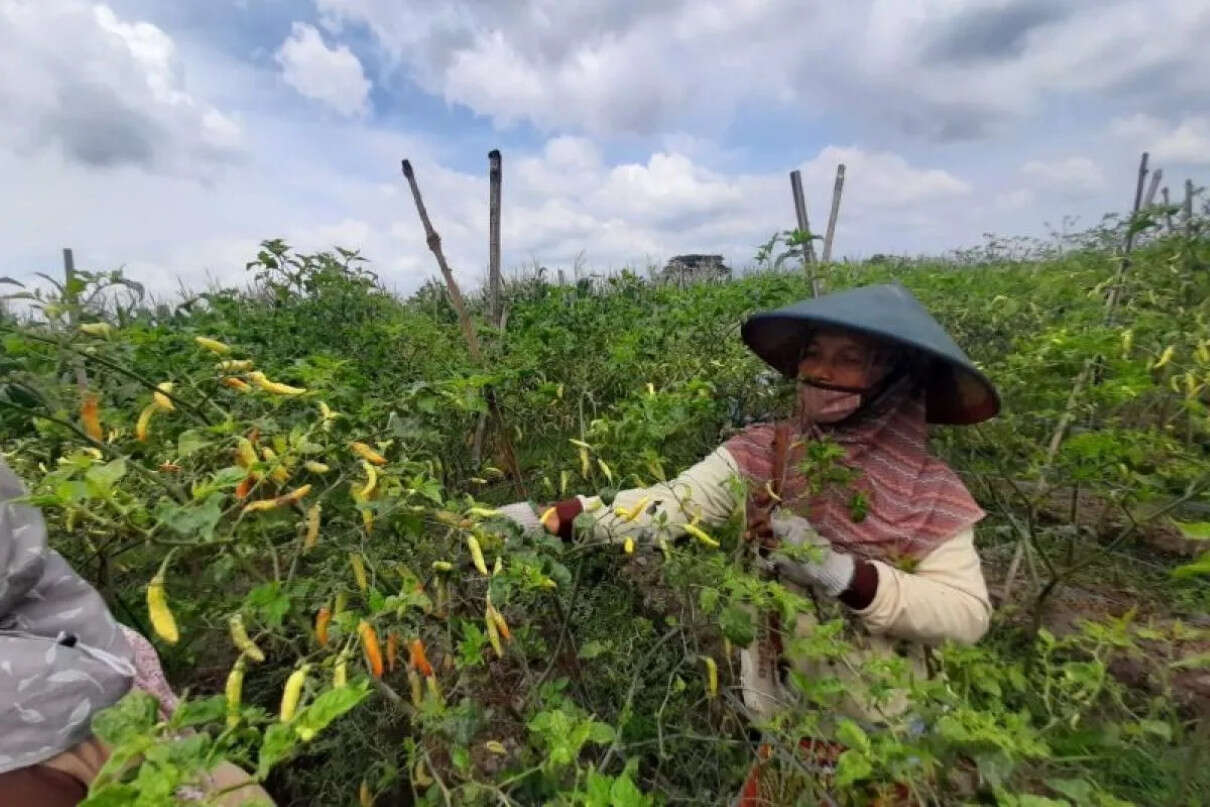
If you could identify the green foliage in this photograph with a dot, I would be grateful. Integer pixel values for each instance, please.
(599, 697)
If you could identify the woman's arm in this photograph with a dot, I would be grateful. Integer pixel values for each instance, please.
(945, 597)
(707, 492)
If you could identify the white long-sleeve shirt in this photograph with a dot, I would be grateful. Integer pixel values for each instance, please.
(943, 598)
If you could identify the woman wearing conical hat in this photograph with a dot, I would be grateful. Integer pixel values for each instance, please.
(895, 543)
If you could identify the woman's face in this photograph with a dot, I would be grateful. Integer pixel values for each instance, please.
(843, 359)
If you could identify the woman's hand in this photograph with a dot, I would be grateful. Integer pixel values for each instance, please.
(524, 516)
(832, 573)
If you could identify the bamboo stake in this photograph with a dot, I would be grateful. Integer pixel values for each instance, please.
(73, 315)
(1151, 189)
(1188, 207)
(1086, 372)
(800, 215)
(1167, 208)
(434, 242)
(493, 238)
(837, 189)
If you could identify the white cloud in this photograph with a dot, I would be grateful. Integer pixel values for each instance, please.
(1187, 142)
(940, 68)
(332, 76)
(1066, 175)
(105, 92)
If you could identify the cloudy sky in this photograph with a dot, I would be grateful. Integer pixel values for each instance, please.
(171, 136)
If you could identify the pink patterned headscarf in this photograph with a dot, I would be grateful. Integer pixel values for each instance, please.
(915, 501)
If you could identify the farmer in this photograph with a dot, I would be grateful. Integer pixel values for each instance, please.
(63, 658)
(895, 544)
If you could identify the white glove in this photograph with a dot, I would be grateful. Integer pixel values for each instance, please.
(522, 514)
(832, 573)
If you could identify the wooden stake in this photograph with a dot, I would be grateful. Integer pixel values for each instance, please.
(800, 214)
(1151, 189)
(434, 242)
(493, 238)
(837, 189)
(1188, 212)
(1115, 289)
(1167, 208)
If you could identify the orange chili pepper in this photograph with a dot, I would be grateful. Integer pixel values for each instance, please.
(244, 488)
(90, 415)
(369, 643)
(418, 658)
(392, 650)
(321, 625)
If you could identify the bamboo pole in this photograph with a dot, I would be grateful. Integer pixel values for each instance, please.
(1167, 208)
(73, 314)
(837, 190)
(493, 238)
(1149, 199)
(804, 226)
(434, 243)
(1188, 212)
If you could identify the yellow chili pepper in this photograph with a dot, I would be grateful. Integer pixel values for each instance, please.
(234, 383)
(316, 467)
(476, 554)
(501, 625)
(340, 673)
(234, 690)
(416, 688)
(697, 533)
(312, 534)
(496, 747)
(368, 454)
(245, 453)
(140, 428)
(420, 776)
(605, 470)
(584, 462)
(157, 607)
(493, 634)
(634, 511)
(162, 400)
(443, 566)
(241, 639)
(1164, 358)
(259, 379)
(369, 643)
(359, 571)
(90, 416)
(213, 345)
(293, 693)
(434, 688)
(371, 480)
(96, 328)
(628, 545)
(711, 676)
(364, 796)
(234, 365)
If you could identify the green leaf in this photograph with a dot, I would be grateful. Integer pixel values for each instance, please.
(1199, 566)
(591, 650)
(277, 744)
(853, 766)
(708, 599)
(1200, 661)
(101, 478)
(329, 706)
(190, 442)
(1160, 728)
(133, 715)
(850, 734)
(115, 795)
(736, 623)
(1078, 790)
(600, 733)
(461, 758)
(270, 603)
(198, 712)
(625, 793)
(191, 520)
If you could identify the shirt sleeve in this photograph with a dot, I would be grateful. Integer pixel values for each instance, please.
(945, 597)
(708, 491)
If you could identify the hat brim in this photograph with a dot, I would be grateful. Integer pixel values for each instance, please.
(956, 393)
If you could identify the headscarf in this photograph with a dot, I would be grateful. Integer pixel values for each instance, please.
(913, 501)
(63, 657)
